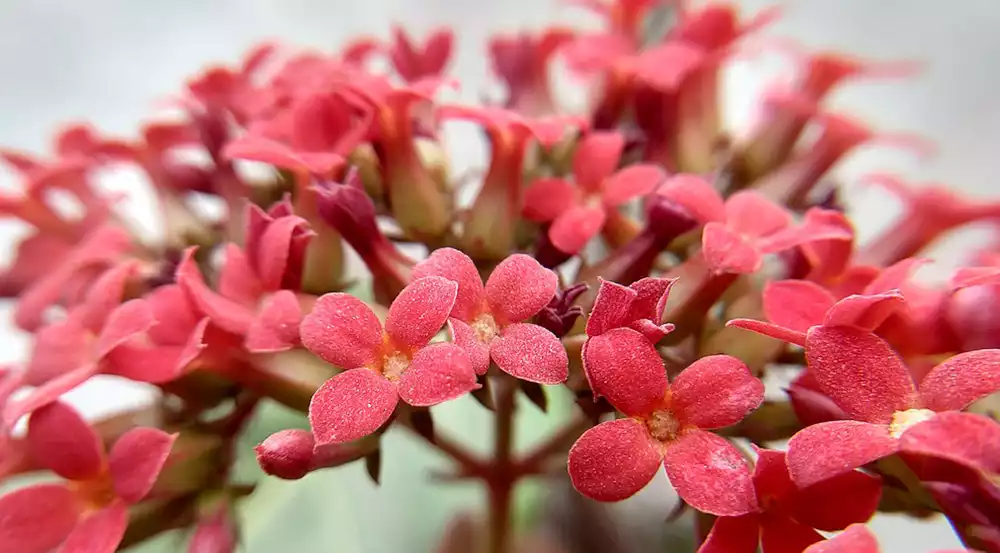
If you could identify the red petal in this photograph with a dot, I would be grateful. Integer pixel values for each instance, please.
(856, 539)
(780, 534)
(613, 460)
(157, 364)
(710, 474)
(238, 279)
(733, 535)
(548, 197)
(666, 66)
(631, 182)
(837, 502)
(227, 314)
(715, 391)
(136, 460)
(420, 310)
(770, 475)
(622, 366)
(572, 230)
(518, 288)
(966, 438)
(351, 405)
(611, 307)
(464, 337)
(596, 158)
(696, 195)
(276, 327)
(127, 320)
(104, 295)
(860, 372)
(99, 532)
(827, 449)
(342, 330)
(47, 393)
(651, 298)
(60, 440)
(59, 346)
(38, 518)
(437, 373)
(864, 312)
(960, 380)
(728, 252)
(895, 276)
(817, 228)
(531, 353)
(768, 329)
(274, 253)
(456, 267)
(751, 214)
(174, 314)
(796, 304)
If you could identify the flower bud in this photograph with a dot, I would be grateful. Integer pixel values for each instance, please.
(286, 454)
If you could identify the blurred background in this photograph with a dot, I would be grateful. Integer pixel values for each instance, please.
(112, 62)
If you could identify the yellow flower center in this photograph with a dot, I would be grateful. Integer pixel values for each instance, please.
(663, 426)
(904, 420)
(485, 328)
(394, 364)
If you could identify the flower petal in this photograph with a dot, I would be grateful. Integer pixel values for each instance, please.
(827, 449)
(728, 252)
(531, 353)
(814, 228)
(651, 299)
(229, 315)
(238, 280)
(613, 460)
(622, 366)
(438, 373)
(710, 474)
(342, 330)
(127, 320)
(276, 326)
(105, 294)
(47, 393)
(518, 288)
(611, 307)
(58, 346)
(351, 405)
(100, 532)
(864, 312)
(767, 329)
(464, 337)
(733, 535)
(60, 440)
(859, 371)
(965, 438)
(696, 195)
(157, 364)
(856, 539)
(715, 391)
(796, 304)
(575, 227)
(596, 158)
(37, 518)
(136, 459)
(456, 267)
(420, 310)
(175, 315)
(779, 534)
(548, 197)
(961, 379)
(837, 502)
(274, 254)
(631, 182)
(751, 214)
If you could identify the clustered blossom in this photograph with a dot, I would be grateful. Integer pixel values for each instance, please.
(655, 263)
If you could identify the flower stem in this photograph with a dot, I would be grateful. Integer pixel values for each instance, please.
(500, 485)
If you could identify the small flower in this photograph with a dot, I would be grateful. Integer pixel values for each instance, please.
(384, 364)
(666, 424)
(413, 63)
(788, 515)
(864, 377)
(638, 306)
(90, 511)
(489, 322)
(522, 62)
(578, 212)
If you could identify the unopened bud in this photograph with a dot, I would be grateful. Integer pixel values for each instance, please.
(214, 534)
(287, 454)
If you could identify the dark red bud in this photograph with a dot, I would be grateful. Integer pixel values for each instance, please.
(287, 454)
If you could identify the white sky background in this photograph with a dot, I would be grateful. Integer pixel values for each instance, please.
(108, 61)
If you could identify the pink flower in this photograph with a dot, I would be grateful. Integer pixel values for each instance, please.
(414, 63)
(90, 511)
(665, 424)
(578, 212)
(384, 364)
(856, 539)
(489, 321)
(865, 378)
(638, 306)
(787, 516)
(522, 62)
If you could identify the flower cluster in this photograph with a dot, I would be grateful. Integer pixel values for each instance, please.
(658, 265)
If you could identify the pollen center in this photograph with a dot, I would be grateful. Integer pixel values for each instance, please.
(485, 328)
(393, 365)
(663, 426)
(96, 493)
(904, 420)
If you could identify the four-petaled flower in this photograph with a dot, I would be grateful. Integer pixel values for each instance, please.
(90, 511)
(413, 63)
(489, 321)
(386, 364)
(865, 378)
(578, 212)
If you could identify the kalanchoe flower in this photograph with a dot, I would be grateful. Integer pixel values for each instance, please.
(579, 212)
(863, 376)
(90, 511)
(638, 306)
(788, 515)
(968, 439)
(233, 90)
(287, 454)
(666, 423)
(489, 321)
(855, 539)
(559, 316)
(385, 364)
(414, 63)
(522, 62)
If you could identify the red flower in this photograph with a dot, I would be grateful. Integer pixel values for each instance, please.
(787, 516)
(90, 512)
(864, 377)
(413, 63)
(384, 364)
(968, 439)
(522, 62)
(578, 212)
(856, 539)
(638, 306)
(489, 322)
(665, 423)
(220, 88)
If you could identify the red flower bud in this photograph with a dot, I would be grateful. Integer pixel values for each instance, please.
(286, 454)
